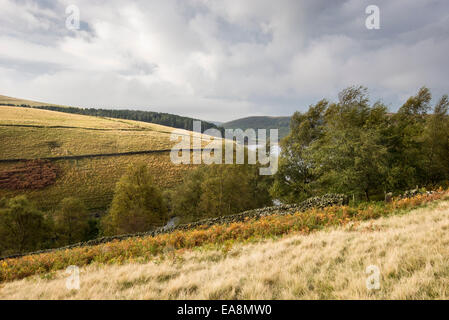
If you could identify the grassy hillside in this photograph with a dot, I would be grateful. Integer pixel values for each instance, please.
(409, 248)
(44, 133)
(261, 122)
(28, 133)
(161, 118)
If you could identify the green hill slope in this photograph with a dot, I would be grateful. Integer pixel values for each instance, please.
(261, 122)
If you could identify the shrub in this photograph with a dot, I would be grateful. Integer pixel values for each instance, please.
(22, 227)
(137, 205)
(71, 221)
(219, 190)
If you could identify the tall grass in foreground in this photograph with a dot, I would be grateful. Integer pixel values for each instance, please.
(411, 251)
(142, 249)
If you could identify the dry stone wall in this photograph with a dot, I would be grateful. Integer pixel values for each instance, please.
(315, 202)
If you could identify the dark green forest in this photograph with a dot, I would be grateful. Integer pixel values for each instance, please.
(261, 122)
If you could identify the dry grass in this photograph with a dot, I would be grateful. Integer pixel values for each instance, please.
(39, 117)
(53, 142)
(412, 252)
(106, 135)
(144, 249)
(91, 180)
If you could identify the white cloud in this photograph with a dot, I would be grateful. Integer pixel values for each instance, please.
(219, 60)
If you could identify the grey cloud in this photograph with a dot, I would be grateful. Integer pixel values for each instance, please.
(41, 22)
(221, 60)
(29, 68)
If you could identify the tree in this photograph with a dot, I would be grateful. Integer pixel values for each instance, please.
(292, 182)
(22, 227)
(72, 220)
(186, 197)
(436, 144)
(405, 143)
(349, 156)
(218, 190)
(137, 205)
(224, 190)
(334, 147)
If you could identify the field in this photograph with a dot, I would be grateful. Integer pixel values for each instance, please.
(27, 133)
(43, 133)
(410, 249)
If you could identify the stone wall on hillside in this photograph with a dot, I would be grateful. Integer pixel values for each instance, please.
(315, 202)
(415, 192)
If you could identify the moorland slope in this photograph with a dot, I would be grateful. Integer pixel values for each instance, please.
(29, 133)
(410, 251)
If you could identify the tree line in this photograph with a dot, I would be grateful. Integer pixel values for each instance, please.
(166, 119)
(138, 205)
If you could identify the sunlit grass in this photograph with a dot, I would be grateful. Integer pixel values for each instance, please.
(143, 249)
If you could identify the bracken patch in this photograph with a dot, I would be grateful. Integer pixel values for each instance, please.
(34, 174)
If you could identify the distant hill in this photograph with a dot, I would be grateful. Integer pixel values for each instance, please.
(165, 119)
(261, 122)
(217, 123)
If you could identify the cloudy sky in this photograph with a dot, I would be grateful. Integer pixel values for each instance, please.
(221, 60)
